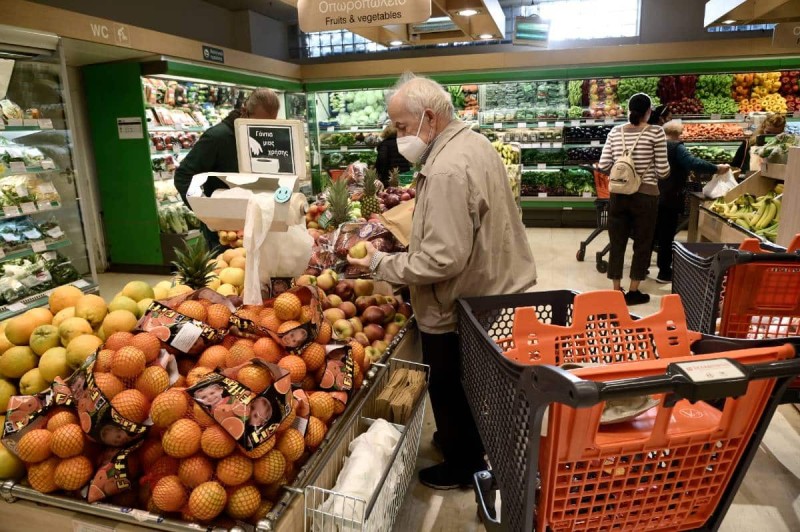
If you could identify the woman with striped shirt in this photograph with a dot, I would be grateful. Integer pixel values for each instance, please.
(635, 215)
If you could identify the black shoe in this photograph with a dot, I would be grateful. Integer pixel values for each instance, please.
(635, 297)
(445, 477)
(664, 278)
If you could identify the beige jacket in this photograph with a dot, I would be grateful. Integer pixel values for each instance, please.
(467, 238)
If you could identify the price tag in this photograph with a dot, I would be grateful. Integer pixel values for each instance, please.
(594, 143)
(526, 146)
(353, 128)
(17, 167)
(716, 116)
(542, 194)
(55, 232)
(558, 144)
(711, 370)
(81, 283)
(591, 121)
(609, 120)
(342, 148)
(542, 124)
(15, 122)
(39, 246)
(541, 166)
(45, 123)
(11, 210)
(46, 188)
(21, 190)
(331, 128)
(48, 164)
(498, 125)
(546, 145)
(30, 122)
(739, 117)
(44, 205)
(560, 123)
(16, 307)
(32, 234)
(587, 195)
(536, 145)
(522, 125)
(28, 207)
(574, 122)
(186, 337)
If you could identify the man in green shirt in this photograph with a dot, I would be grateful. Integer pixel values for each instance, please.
(215, 151)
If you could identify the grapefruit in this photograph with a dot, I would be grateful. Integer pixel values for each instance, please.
(149, 344)
(291, 444)
(40, 476)
(80, 348)
(119, 321)
(243, 502)
(123, 303)
(59, 418)
(182, 439)
(142, 306)
(128, 362)
(195, 470)
(11, 467)
(71, 328)
(19, 329)
(216, 442)
(269, 468)
(132, 405)
(33, 382)
(169, 494)
(34, 446)
(67, 441)
(64, 297)
(53, 363)
(43, 338)
(118, 340)
(17, 361)
(4, 343)
(138, 290)
(109, 385)
(62, 315)
(7, 391)
(92, 308)
(152, 381)
(234, 470)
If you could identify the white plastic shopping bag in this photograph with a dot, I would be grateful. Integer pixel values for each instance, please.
(719, 185)
(272, 250)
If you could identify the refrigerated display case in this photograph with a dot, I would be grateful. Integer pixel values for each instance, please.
(159, 109)
(42, 240)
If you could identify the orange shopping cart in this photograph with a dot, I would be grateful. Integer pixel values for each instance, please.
(556, 460)
(601, 207)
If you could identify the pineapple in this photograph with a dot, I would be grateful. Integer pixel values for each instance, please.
(369, 203)
(339, 200)
(195, 264)
(394, 177)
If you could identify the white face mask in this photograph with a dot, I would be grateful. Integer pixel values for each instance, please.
(412, 147)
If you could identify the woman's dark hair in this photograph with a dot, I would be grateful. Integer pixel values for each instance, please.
(658, 114)
(638, 106)
(635, 117)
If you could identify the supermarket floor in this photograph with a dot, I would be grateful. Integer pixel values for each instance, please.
(769, 498)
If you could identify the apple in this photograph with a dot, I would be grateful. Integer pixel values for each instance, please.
(332, 273)
(333, 315)
(306, 280)
(357, 325)
(334, 301)
(364, 287)
(374, 332)
(326, 281)
(343, 329)
(374, 314)
(380, 345)
(359, 251)
(405, 310)
(391, 300)
(363, 303)
(380, 299)
(388, 311)
(344, 289)
(393, 328)
(400, 320)
(312, 225)
(372, 354)
(349, 309)
(388, 338)
(362, 339)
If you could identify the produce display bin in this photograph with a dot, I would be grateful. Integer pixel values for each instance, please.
(658, 472)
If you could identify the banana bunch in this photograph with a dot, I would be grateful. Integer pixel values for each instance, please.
(507, 152)
(758, 215)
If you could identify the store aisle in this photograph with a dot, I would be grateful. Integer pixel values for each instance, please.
(769, 498)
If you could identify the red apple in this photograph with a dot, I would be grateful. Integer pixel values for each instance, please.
(405, 309)
(333, 315)
(344, 289)
(343, 329)
(389, 312)
(380, 299)
(364, 302)
(374, 332)
(362, 339)
(391, 300)
(349, 309)
(374, 314)
(388, 338)
(357, 325)
(364, 287)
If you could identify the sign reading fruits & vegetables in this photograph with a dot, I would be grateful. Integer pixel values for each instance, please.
(326, 15)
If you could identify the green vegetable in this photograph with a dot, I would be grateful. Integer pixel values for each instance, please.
(575, 91)
(723, 105)
(714, 85)
(629, 86)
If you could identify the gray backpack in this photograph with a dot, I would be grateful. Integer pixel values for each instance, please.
(623, 178)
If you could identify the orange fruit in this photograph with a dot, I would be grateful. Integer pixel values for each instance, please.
(305, 314)
(271, 322)
(151, 451)
(164, 466)
(257, 378)
(73, 473)
(193, 309)
(108, 384)
(128, 362)
(197, 374)
(338, 406)
(40, 476)
(216, 442)
(67, 441)
(234, 470)
(168, 407)
(245, 342)
(295, 366)
(288, 420)
(268, 349)
(314, 356)
(239, 354)
(357, 350)
(270, 467)
(263, 509)
(182, 438)
(291, 444)
(214, 357)
(149, 344)
(322, 406)
(228, 341)
(34, 446)
(287, 306)
(207, 501)
(287, 326)
(250, 313)
(358, 377)
(315, 432)
(103, 361)
(132, 405)
(185, 365)
(218, 316)
(195, 470)
(180, 382)
(169, 495)
(152, 381)
(261, 450)
(59, 418)
(324, 334)
(243, 502)
(265, 313)
(200, 416)
(118, 340)
(308, 384)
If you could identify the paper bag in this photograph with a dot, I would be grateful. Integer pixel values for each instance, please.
(719, 185)
(398, 221)
(271, 251)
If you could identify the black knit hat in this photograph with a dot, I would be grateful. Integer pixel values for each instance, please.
(639, 102)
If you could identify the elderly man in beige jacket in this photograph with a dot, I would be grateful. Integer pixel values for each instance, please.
(466, 240)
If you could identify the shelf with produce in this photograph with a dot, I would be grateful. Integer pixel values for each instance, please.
(12, 170)
(41, 126)
(24, 209)
(41, 299)
(38, 246)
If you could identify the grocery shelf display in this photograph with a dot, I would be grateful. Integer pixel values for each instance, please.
(42, 242)
(171, 104)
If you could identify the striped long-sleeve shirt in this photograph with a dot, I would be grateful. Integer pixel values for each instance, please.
(649, 156)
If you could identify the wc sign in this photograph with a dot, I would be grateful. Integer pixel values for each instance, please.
(786, 35)
(117, 34)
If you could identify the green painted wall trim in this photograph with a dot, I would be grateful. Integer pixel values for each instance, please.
(125, 178)
(550, 204)
(576, 72)
(176, 68)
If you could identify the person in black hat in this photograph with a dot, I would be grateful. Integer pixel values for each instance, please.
(660, 115)
(634, 215)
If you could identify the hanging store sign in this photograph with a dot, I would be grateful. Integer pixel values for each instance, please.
(531, 31)
(786, 35)
(326, 15)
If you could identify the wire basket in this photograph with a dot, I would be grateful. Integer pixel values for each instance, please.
(380, 511)
(650, 473)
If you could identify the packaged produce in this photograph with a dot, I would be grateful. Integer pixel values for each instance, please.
(776, 149)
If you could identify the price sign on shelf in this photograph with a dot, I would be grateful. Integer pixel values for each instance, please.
(542, 194)
(542, 124)
(28, 207)
(11, 210)
(45, 123)
(16, 307)
(331, 129)
(591, 121)
(14, 122)
(559, 124)
(353, 128)
(30, 122)
(541, 166)
(536, 145)
(342, 148)
(558, 144)
(609, 120)
(38, 246)
(716, 117)
(81, 283)
(498, 125)
(588, 195)
(574, 122)
(522, 125)
(43, 205)
(595, 143)
(17, 167)
(48, 164)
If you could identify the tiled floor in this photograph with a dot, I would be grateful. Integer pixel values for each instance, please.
(768, 499)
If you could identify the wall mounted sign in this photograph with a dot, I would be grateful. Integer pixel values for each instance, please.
(327, 15)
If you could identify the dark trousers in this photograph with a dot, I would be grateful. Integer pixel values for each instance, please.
(211, 238)
(457, 434)
(666, 227)
(631, 216)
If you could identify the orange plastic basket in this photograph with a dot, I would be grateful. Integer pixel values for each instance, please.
(601, 184)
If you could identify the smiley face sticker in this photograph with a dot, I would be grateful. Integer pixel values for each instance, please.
(283, 194)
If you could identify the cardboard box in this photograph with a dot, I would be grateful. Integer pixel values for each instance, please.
(774, 171)
(225, 210)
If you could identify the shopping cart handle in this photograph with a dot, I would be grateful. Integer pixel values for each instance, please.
(718, 344)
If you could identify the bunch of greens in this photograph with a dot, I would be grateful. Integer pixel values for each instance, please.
(575, 92)
(629, 86)
(776, 149)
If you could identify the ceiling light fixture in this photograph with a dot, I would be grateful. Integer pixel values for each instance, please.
(467, 12)
(485, 36)
(729, 21)
(395, 43)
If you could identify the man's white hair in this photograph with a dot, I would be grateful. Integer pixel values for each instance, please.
(423, 93)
